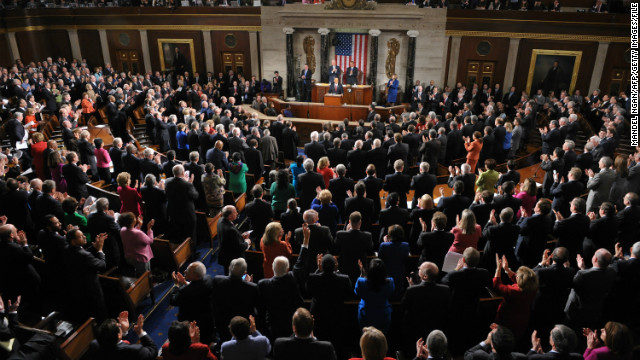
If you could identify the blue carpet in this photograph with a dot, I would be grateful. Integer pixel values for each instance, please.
(158, 322)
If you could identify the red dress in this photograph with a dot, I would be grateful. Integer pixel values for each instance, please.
(515, 310)
(130, 199)
(328, 174)
(37, 152)
(473, 153)
(272, 251)
(196, 351)
(462, 241)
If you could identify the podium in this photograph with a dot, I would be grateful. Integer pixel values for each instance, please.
(332, 100)
(353, 95)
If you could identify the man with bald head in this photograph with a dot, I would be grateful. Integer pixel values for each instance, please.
(192, 295)
(280, 297)
(590, 288)
(425, 306)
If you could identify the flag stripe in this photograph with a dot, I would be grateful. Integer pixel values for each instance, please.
(353, 47)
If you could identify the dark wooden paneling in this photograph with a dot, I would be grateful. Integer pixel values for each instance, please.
(539, 22)
(91, 18)
(588, 49)
(5, 58)
(242, 46)
(498, 54)
(113, 38)
(90, 46)
(196, 36)
(615, 59)
(38, 45)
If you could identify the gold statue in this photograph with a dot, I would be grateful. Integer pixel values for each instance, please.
(393, 48)
(308, 44)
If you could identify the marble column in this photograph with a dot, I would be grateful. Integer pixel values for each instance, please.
(208, 51)
(104, 45)
(75, 44)
(14, 52)
(510, 71)
(324, 54)
(411, 63)
(255, 56)
(146, 54)
(291, 78)
(596, 76)
(373, 56)
(454, 54)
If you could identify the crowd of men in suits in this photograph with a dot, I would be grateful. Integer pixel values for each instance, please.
(372, 156)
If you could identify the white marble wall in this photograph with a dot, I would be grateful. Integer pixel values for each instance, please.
(392, 19)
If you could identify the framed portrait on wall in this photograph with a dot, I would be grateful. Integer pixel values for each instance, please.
(553, 70)
(177, 55)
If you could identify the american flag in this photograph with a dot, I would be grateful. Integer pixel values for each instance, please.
(352, 47)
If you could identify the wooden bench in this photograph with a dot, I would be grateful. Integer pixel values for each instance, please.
(238, 202)
(120, 295)
(168, 256)
(77, 344)
(97, 192)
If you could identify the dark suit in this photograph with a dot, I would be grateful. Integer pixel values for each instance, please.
(254, 161)
(293, 348)
(393, 215)
(422, 184)
(510, 175)
(480, 352)
(434, 245)
(321, 242)
(260, 214)
(469, 181)
(100, 222)
(378, 157)
(373, 186)
(357, 163)
(333, 89)
(365, 206)
(551, 355)
(86, 155)
(232, 245)
(194, 304)
(501, 202)
(425, 308)
(452, 206)
(148, 166)
(429, 151)
(627, 222)
(46, 205)
(328, 292)
(82, 275)
(76, 181)
(339, 187)
(181, 199)
(501, 239)
(280, 298)
(571, 232)
(315, 151)
(534, 234)
(399, 183)
(553, 291)
(352, 75)
(397, 152)
(337, 156)
(590, 288)
(147, 349)
(307, 184)
(132, 166)
(563, 193)
(233, 297)
(351, 246)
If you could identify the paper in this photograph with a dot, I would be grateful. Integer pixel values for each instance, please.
(451, 261)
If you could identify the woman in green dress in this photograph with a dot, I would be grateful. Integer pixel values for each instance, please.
(281, 191)
(73, 218)
(237, 179)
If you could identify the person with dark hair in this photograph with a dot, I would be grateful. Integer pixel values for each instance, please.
(506, 199)
(552, 164)
(184, 343)
(168, 165)
(499, 344)
(362, 204)
(571, 231)
(393, 215)
(281, 191)
(291, 219)
(254, 159)
(374, 289)
(453, 205)
(534, 233)
(488, 179)
(399, 183)
(433, 245)
(302, 345)
(616, 342)
(602, 231)
(76, 176)
(136, 244)
(510, 175)
(563, 192)
(259, 213)
(501, 238)
(353, 245)
(109, 345)
(247, 342)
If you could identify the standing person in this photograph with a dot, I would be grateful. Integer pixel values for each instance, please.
(37, 153)
(86, 150)
(374, 289)
(232, 243)
(394, 251)
(273, 247)
(181, 197)
(246, 342)
(466, 233)
(305, 78)
(473, 149)
(281, 191)
(324, 170)
(76, 176)
(237, 171)
(136, 243)
(392, 90)
(102, 161)
(213, 186)
(130, 198)
(184, 343)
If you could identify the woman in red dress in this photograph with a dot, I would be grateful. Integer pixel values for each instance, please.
(324, 170)
(515, 309)
(473, 149)
(130, 198)
(37, 153)
(273, 247)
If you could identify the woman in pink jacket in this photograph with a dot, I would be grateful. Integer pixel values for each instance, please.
(136, 244)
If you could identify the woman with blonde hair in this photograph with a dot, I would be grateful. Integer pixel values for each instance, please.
(129, 197)
(324, 170)
(38, 147)
(527, 194)
(327, 210)
(272, 246)
(515, 309)
(466, 233)
(373, 345)
(506, 146)
(423, 213)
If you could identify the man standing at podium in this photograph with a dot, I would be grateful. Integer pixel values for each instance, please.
(305, 78)
(336, 87)
(334, 72)
(352, 74)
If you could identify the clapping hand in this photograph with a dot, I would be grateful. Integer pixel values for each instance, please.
(319, 262)
(423, 224)
(492, 217)
(194, 332)
(150, 224)
(558, 214)
(307, 234)
(535, 342)
(98, 242)
(3, 220)
(546, 257)
(362, 271)
(252, 324)
(619, 253)
(178, 279)
(592, 338)
(13, 307)
(123, 321)
(460, 264)
(580, 261)
(421, 349)
(138, 326)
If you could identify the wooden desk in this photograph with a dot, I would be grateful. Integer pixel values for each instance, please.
(353, 94)
(312, 110)
(333, 100)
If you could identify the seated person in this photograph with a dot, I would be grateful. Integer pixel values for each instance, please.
(184, 343)
(109, 343)
(246, 343)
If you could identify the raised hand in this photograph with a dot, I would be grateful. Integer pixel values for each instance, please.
(492, 217)
(252, 324)
(138, 326)
(423, 224)
(580, 261)
(546, 257)
(150, 224)
(319, 262)
(123, 320)
(619, 252)
(194, 332)
(535, 342)
(307, 234)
